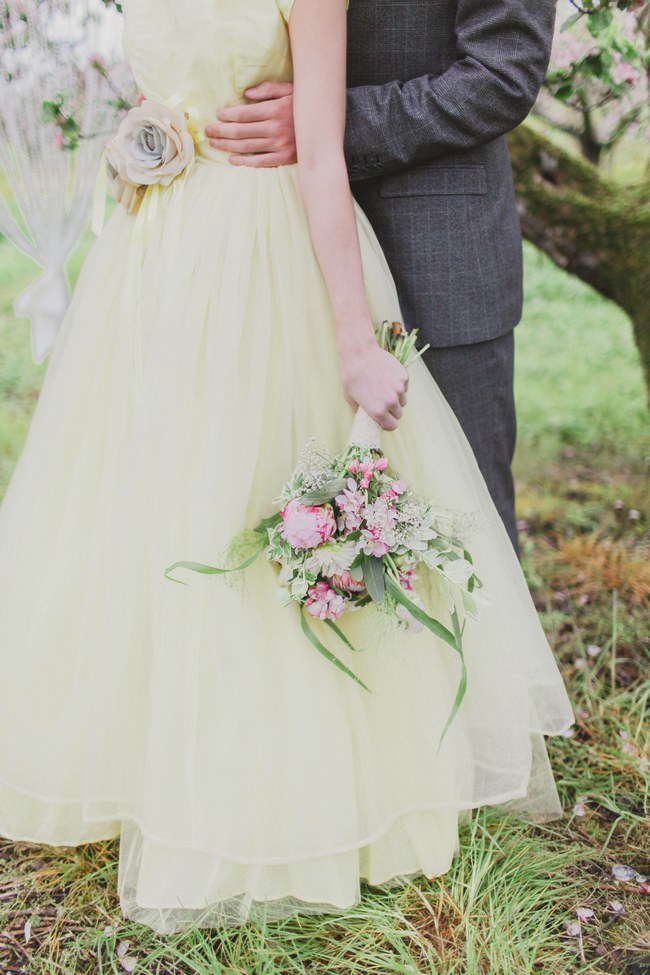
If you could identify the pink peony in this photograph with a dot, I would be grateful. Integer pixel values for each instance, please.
(324, 603)
(347, 581)
(306, 526)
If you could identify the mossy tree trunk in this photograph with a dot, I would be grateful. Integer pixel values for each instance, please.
(589, 225)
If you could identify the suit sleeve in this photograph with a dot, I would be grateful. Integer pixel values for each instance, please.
(503, 49)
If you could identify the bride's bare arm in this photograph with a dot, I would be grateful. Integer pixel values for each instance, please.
(371, 377)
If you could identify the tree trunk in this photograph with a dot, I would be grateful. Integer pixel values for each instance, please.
(589, 225)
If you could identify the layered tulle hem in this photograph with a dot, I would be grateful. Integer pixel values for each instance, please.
(171, 887)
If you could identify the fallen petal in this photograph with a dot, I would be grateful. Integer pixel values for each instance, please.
(622, 872)
(573, 928)
(617, 907)
(585, 913)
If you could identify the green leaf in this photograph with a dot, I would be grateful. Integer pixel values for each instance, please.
(325, 493)
(420, 615)
(267, 523)
(373, 574)
(313, 639)
(211, 569)
(341, 635)
(599, 21)
(570, 21)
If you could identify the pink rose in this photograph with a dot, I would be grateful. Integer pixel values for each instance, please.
(324, 603)
(347, 581)
(306, 526)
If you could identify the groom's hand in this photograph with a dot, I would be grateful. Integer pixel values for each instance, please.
(260, 134)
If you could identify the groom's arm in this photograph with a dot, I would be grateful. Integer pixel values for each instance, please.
(503, 50)
(503, 46)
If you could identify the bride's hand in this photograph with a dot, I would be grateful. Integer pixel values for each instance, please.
(376, 381)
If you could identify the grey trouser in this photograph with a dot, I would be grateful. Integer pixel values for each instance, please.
(477, 382)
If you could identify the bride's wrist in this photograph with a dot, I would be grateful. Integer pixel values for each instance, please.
(355, 342)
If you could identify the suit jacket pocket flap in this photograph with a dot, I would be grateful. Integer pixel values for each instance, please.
(436, 180)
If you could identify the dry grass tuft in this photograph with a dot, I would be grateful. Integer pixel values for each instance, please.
(595, 563)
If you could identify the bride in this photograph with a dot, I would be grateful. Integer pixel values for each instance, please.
(224, 316)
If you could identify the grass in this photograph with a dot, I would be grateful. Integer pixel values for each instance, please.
(505, 906)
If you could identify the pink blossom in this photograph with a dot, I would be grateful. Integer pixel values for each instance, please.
(351, 503)
(407, 579)
(347, 581)
(353, 466)
(97, 62)
(306, 526)
(623, 73)
(398, 487)
(374, 544)
(324, 603)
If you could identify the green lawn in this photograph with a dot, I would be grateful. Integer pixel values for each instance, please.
(510, 903)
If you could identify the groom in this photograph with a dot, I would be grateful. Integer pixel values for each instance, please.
(433, 87)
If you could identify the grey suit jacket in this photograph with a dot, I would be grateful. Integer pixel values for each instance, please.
(433, 87)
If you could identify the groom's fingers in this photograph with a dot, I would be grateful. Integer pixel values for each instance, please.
(239, 130)
(269, 90)
(260, 134)
(260, 160)
(243, 145)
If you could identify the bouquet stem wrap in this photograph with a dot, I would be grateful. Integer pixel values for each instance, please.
(365, 432)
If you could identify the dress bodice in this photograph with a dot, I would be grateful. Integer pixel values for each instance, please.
(206, 51)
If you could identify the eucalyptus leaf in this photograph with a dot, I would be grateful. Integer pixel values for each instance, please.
(373, 574)
(325, 493)
(267, 523)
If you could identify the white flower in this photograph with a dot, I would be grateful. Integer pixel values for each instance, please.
(331, 558)
(458, 571)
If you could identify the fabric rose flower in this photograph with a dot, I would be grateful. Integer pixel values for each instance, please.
(129, 195)
(306, 526)
(153, 145)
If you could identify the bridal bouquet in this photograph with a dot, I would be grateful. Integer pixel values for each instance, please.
(350, 532)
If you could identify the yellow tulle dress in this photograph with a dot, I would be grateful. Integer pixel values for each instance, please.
(242, 771)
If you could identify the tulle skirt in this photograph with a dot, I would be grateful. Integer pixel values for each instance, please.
(241, 770)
